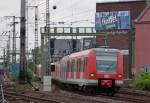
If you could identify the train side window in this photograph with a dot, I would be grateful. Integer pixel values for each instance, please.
(82, 65)
(65, 67)
(71, 66)
(79, 65)
(74, 65)
(85, 62)
(52, 68)
(68, 66)
(60, 67)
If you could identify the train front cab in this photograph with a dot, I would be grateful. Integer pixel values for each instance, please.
(109, 70)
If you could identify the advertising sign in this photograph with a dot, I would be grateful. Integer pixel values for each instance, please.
(117, 20)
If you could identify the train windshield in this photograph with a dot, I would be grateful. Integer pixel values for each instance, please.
(106, 64)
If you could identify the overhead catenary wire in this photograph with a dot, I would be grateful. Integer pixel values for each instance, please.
(76, 14)
(58, 2)
(60, 9)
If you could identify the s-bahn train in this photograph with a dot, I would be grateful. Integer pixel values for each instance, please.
(90, 70)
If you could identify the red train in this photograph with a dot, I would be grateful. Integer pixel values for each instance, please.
(91, 70)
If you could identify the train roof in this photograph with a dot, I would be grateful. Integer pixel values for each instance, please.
(86, 52)
(105, 49)
(81, 53)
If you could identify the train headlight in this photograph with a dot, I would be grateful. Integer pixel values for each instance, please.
(120, 75)
(92, 74)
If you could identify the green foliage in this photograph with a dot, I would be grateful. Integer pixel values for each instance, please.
(35, 86)
(31, 65)
(142, 82)
(15, 78)
(37, 52)
(30, 75)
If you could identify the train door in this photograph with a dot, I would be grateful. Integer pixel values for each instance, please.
(85, 69)
(64, 70)
(81, 68)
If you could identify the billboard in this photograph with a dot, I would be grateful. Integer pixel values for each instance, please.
(117, 20)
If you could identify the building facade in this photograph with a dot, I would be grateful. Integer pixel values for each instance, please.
(142, 40)
(122, 39)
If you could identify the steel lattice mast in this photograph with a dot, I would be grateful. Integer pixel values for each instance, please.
(14, 41)
(48, 36)
(23, 62)
(36, 35)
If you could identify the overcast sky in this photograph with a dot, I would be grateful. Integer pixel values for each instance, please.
(81, 12)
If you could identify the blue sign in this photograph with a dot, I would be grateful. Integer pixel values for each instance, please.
(1, 70)
(117, 20)
(14, 70)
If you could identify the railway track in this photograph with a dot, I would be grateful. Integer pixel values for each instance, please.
(28, 98)
(135, 92)
(59, 98)
(67, 96)
(125, 96)
(134, 96)
(129, 96)
(133, 99)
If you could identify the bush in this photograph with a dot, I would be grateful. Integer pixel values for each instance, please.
(142, 82)
(15, 78)
(30, 75)
(35, 86)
